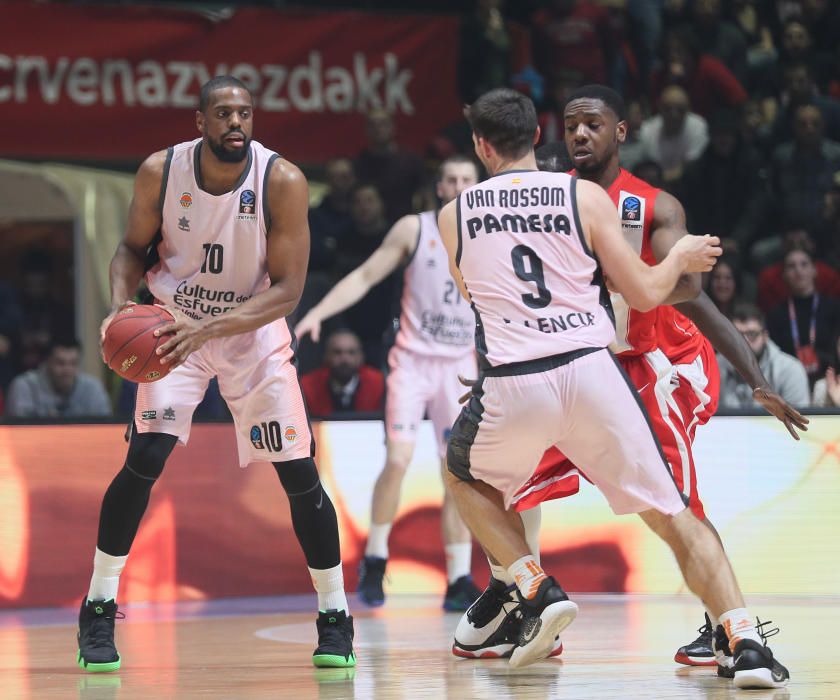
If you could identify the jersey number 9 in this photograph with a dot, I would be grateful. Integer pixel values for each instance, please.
(532, 272)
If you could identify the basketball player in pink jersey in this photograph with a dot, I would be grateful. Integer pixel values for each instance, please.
(680, 394)
(225, 220)
(527, 249)
(433, 346)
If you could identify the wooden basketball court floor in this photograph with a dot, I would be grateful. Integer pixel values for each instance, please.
(620, 646)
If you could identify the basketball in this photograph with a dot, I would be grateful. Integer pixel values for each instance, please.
(130, 343)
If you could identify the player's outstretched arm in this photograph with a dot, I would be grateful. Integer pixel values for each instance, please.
(644, 287)
(395, 248)
(668, 227)
(727, 340)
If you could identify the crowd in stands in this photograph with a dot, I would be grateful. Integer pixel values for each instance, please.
(733, 107)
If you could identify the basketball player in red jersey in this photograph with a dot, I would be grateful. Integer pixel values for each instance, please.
(666, 356)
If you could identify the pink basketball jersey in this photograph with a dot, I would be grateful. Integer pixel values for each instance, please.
(213, 247)
(435, 319)
(532, 279)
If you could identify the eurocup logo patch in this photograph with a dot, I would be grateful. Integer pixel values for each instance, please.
(247, 202)
(631, 209)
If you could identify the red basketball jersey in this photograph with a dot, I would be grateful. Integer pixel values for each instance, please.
(635, 331)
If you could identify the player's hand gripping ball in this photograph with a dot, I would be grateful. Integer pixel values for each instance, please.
(129, 343)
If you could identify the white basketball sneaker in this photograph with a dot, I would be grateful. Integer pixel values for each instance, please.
(491, 626)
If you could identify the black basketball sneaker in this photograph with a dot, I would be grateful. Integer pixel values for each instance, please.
(699, 652)
(371, 573)
(490, 628)
(335, 640)
(460, 594)
(758, 667)
(97, 652)
(544, 617)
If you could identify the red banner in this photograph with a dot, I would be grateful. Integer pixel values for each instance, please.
(117, 83)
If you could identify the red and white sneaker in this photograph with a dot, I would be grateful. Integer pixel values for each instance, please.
(699, 652)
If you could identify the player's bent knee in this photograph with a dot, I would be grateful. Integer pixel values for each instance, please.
(298, 476)
(147, 454)
(397, 465)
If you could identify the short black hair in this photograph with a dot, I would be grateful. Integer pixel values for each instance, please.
(63, 340)
(217, 83)
(745, 311)
(458, 158)
(343, 330)
(553, 157)
(505, 118)
(607, 95)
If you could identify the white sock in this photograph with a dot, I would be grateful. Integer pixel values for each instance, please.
(739, 625)
(500, 573)
(532, 519)
(458, 560)
(528, 575)
(105, 581)
(377, 544)
(329, 584)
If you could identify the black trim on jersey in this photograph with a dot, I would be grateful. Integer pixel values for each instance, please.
(604, 295)
(152, 254)
(266, 212)
(635, 392)
(166, 165)
(480, 340)
(542, 364)
(197, 171)
(576, 212)
(460, 246)
(294, 346)
(464, 432)
(416, 243)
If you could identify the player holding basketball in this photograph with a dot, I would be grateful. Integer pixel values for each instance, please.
(433, 346)
(669, 361)
(525, 248)
(232, 252)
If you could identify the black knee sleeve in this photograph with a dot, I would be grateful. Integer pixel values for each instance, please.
(313, 514)
(126, 499)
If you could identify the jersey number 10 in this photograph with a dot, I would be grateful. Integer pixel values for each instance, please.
(214, 256)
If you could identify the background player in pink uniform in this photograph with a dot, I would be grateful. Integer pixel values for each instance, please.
(682, 392)
(226, 220)
(433, 346)
(519, 257)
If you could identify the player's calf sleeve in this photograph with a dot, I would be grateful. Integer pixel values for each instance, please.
(313, 514)
(126, 499)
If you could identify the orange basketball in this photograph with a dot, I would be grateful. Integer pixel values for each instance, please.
(130, 344)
